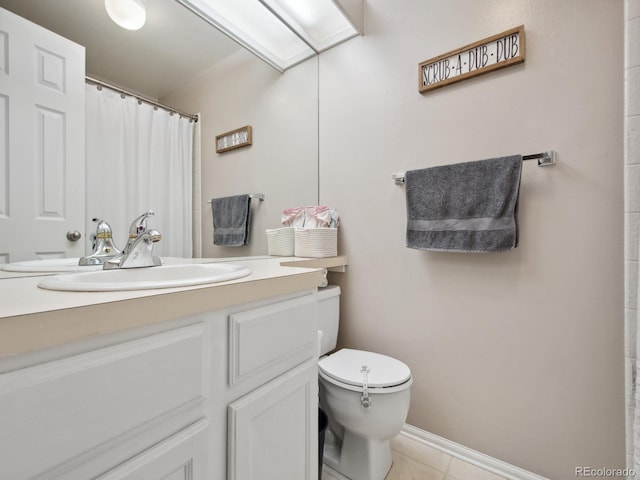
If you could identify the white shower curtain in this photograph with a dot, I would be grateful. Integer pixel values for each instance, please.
(139, 158)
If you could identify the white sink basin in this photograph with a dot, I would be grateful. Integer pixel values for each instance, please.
(166, 276)
(51, 265)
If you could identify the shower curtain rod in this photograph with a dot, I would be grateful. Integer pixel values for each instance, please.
(140, 98)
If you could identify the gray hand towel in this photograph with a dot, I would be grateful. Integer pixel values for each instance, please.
(231, 218)
(465, 207)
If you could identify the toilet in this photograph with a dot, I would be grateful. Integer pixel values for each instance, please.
(365, 395)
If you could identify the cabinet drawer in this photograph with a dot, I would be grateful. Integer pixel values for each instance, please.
(269, 340)
(56, 415)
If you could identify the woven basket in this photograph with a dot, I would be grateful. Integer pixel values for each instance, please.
(316, 242)
(280, 241)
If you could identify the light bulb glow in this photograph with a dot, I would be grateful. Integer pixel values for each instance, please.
(129, 14)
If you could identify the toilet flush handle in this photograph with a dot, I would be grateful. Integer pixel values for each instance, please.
(365, 401)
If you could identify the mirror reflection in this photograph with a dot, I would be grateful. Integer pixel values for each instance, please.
(178, 60)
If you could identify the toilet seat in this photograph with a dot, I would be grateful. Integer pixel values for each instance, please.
(344, 369)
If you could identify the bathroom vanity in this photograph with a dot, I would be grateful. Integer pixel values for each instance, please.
(209, 382)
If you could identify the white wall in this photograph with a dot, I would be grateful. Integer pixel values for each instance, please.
(518, 355)
(282, 162)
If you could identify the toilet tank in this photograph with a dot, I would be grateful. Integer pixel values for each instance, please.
(328, 317)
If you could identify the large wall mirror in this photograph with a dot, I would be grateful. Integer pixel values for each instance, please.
(181, 61)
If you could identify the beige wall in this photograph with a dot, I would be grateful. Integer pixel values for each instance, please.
(518, 355)
(282, 162)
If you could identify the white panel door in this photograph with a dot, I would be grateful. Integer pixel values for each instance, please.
(42, 142)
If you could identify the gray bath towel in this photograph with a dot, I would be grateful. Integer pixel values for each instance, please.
(231, 218)
(465, 207)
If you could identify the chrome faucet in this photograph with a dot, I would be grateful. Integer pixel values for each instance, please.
(138, 252)
(103, 247)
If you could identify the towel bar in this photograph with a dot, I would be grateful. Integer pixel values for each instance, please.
(544, 160)
(259, 196)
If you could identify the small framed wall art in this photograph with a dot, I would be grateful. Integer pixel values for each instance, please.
(240, 137)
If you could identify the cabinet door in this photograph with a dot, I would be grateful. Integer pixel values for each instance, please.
(273, 431)
(180, 457)
(58, 415)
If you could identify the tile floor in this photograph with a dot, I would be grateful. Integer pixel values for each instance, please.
(414, 461)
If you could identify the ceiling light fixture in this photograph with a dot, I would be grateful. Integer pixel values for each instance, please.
(129, 14)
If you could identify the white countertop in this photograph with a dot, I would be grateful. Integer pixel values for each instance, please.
(33, 318)
(21, 295)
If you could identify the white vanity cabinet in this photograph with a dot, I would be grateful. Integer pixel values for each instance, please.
(230, 393)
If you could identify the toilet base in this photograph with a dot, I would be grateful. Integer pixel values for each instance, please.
(357, 458)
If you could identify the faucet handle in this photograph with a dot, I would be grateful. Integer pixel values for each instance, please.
(139, 225)
(103, 233)
(154, 236)
(102, 248)
(103, 229)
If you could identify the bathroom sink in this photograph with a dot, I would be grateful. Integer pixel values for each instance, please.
(49, 265)
(165, 276)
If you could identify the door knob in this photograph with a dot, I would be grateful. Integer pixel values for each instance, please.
(73, 235)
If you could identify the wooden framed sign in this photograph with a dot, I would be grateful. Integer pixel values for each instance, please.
(498, 51)
(240, 137)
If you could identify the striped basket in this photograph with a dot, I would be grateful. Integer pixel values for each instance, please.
(280, 241)
(316, 242)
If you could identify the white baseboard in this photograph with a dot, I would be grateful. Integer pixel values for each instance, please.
(468, 455)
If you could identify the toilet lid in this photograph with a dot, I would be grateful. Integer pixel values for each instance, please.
(346, 366)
